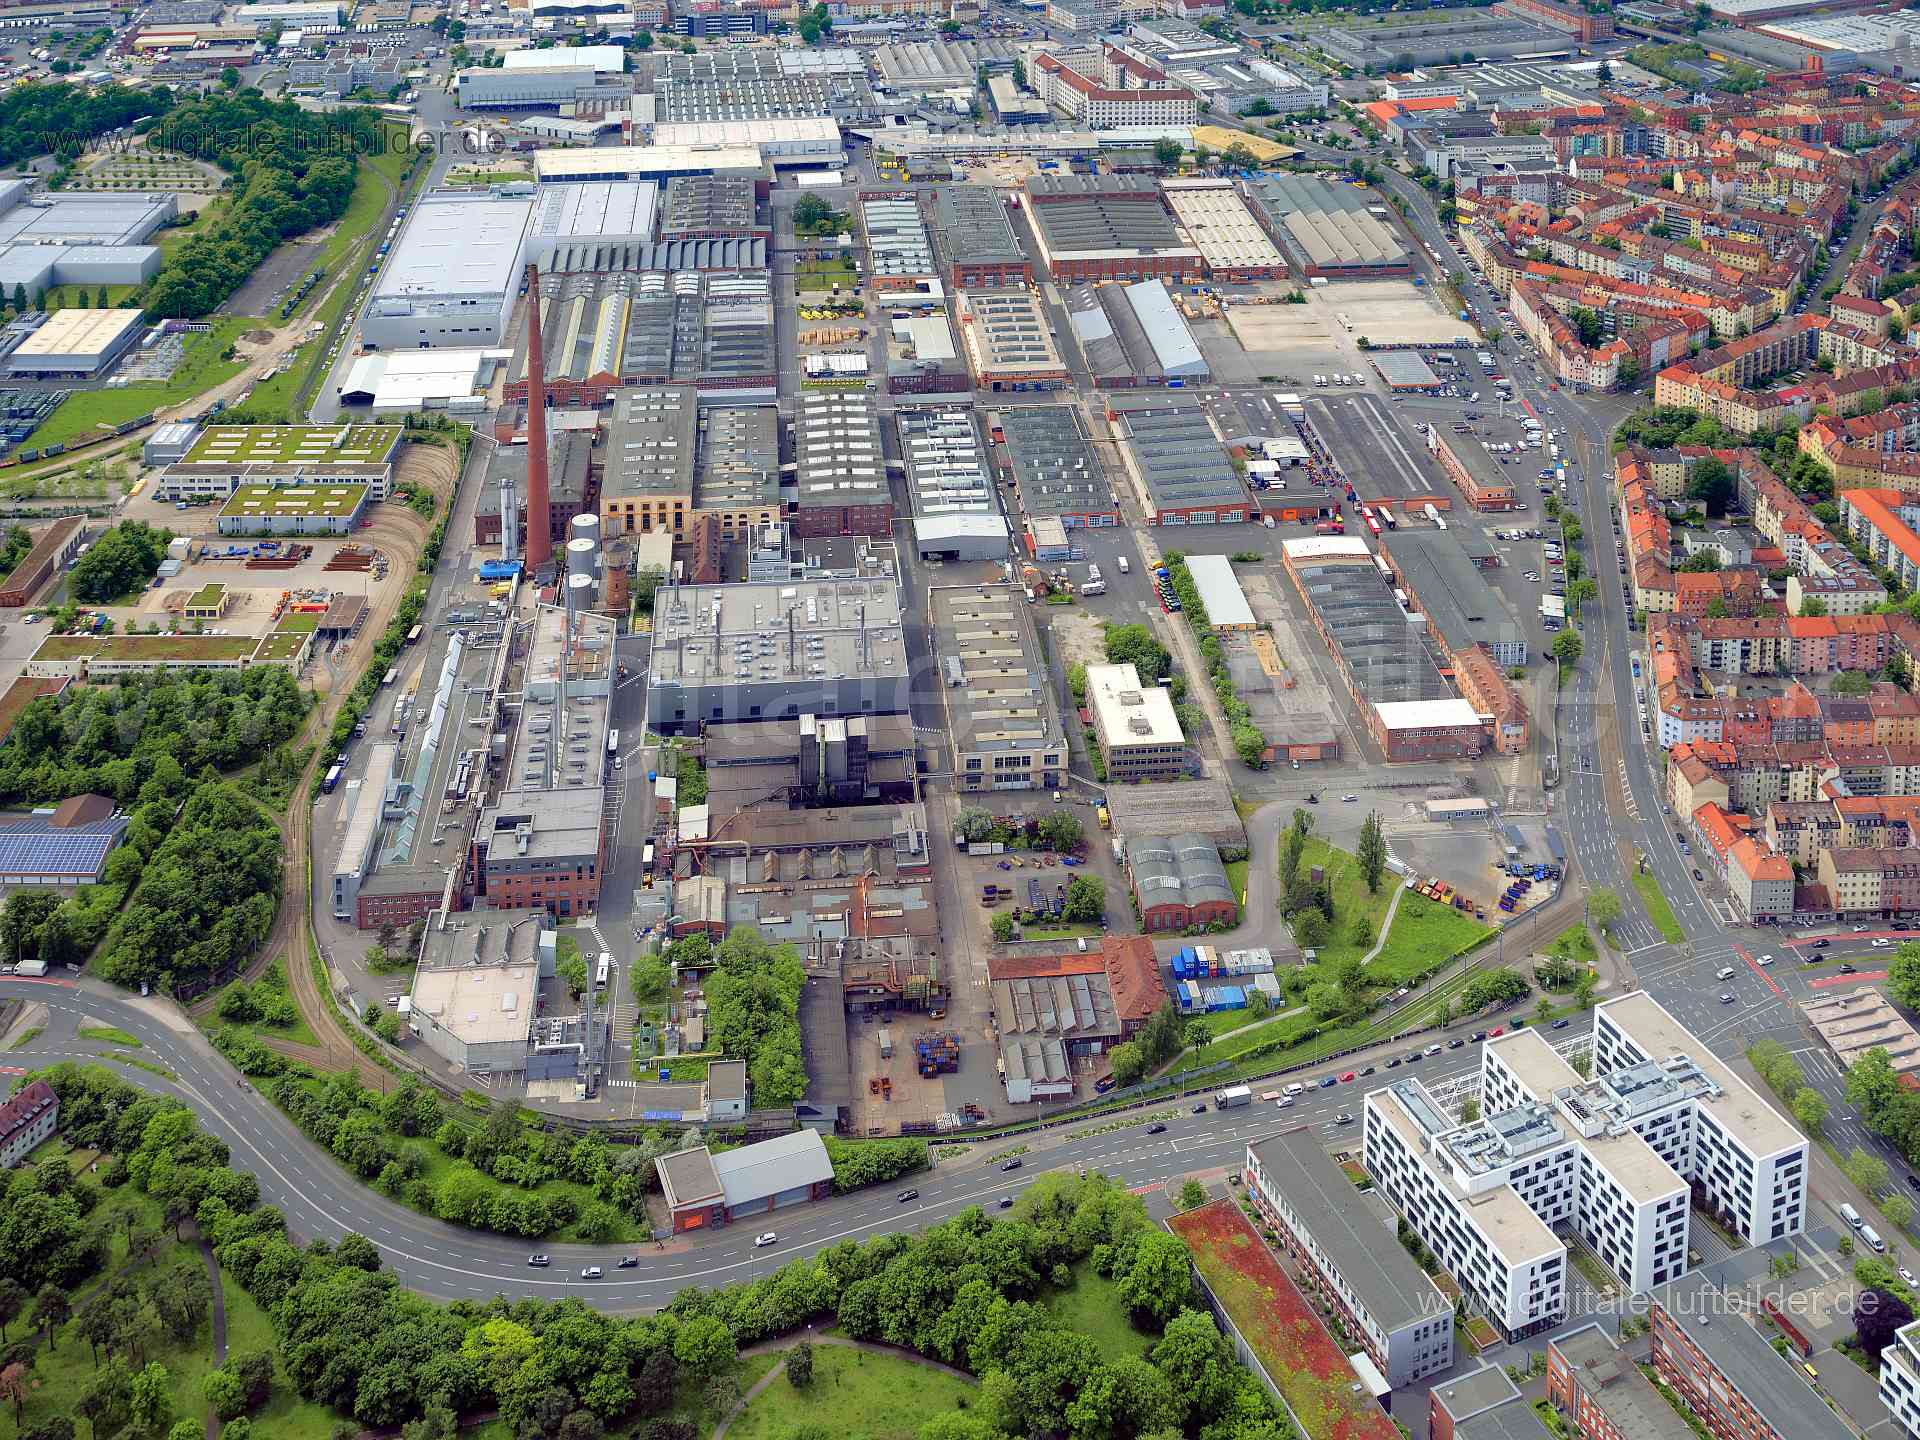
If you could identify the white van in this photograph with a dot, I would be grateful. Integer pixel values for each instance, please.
(1295, 1088)
(1725, 973)
(1851, 1216)
(1872, 1237)
(1121, 561)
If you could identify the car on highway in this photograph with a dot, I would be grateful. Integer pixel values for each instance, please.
(1765, 960)
(1348, 799)
(762, 1241)
(905, 1195)
(1561, 1024)
(1455, 1043)
(628, 1262)
(1820, 944)
(1479, 1035)
(1013, 1164)
(1006, 1202)
(1849, 969)
(1882, 943)
(1156, 1128)
(1859, 929)
(1343, 1118)
(539, 1262)
(591, 1272)
(1433, 1049)
(1366, 1070)
(1326, 1082)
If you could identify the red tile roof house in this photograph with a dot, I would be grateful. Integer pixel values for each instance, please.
(26, 1119)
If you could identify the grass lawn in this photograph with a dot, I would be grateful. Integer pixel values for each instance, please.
(1350, 898)
(1425, 936)
(1060, 932)
(854, 1393)
(823, 275)
(111, 1034)
(285, 1416)
(200, 370)
(1575, 944)
(1237, 879)
(90, 481)
(1092, 1307)
(1658, 910)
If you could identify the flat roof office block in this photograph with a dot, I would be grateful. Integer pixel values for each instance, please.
(1139, 734)
(999, 706)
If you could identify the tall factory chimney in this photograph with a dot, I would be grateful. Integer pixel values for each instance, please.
(539, 509)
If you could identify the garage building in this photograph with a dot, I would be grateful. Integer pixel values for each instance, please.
(704, 1190)
(1134, 335)
(1325, 228)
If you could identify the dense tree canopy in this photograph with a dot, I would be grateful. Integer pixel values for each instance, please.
(206, 899)
(148, 730)
(59, 119)
(753, 1014)
(120, 562)
(295, 170)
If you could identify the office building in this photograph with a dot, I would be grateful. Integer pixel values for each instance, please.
(541, 849)
(1404, 1323)
(1728, 1373)
(1140, 736)
(1000, 709)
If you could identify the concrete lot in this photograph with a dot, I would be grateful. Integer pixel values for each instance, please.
(1391, 312)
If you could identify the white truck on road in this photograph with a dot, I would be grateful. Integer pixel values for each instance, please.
(1233, 1096)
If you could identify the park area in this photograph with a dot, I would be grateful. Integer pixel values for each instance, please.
(1280, 1326)
(870, 1394)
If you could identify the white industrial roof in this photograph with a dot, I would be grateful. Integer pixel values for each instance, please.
(1325, 547)
(1219, 591)
(622, 160)
(1426, 714)
(611, 209)
(78, 332)
(458, 244)
(1131, 713)
(1173, 344)
(406, 380)
(760, 1172)
(816, 130)
(1220, 223)
(605, 59)
(964, 525)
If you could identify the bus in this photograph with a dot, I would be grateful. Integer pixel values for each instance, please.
(603, 976)
(646, 866)
(391, 676)
(413, 635)
(613, 742)
(332, 782)
(1386, 518)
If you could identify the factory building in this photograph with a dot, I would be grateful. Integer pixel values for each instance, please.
(571, 221)
(78, 218)
(704, 1191)
(1057, 476)
(956, 515)
(659, 163)
(492, 89)
(1134, 335)
(1232, 243)
(841, 475)
(1108, 227)
(1324, 228)
(784, 142)
(999, 706)
(1176, 464)
(976, 239)
(477, 986)
(75, 344)
(775, 651)
(454, 275)
(1139, 734)
(1007, 340)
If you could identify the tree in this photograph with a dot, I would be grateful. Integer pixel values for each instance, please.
(1603, 907)
(1086, 902)
(1873, 1088)
(51, 1310)
(1867, 1171)
(810, 213)
(1712, 483)
(103, 1404)
(1810, 1109)
(703, 1345)
(1062, 832)
(1003, 926)
(1166, 154)
(1903, 975)
(1159, 1282)
(1128, 1062)
(13, 1386)
(1199, 1037)
(1898, 1209)
(1310, 929)
(13, 1303)
(1878, 1316)
(120, 562)
(1372, 852)
(1567, 647)
(100, 298)
(230, 78)
(1584, 985)
(1192, 1195)
(1469, 1110)
(800, 1366)
(150, 1401)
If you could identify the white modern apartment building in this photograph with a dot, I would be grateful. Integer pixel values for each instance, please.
(1399, 1315)
(1613, 1160)
(1900, 1378)
(1124, 91)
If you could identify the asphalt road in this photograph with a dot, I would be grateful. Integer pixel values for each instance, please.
(319, 1198)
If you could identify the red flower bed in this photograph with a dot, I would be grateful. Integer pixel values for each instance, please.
(1296, 1349)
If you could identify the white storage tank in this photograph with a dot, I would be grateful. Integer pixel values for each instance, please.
(580, 591)
(585, 527)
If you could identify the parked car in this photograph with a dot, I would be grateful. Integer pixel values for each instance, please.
(1006, 1202)
(1156, 1128)
(1727, 997)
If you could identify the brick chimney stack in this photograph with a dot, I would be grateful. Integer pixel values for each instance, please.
(539, 507)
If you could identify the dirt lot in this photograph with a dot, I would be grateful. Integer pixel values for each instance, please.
(1079, 636)
(1282, 328)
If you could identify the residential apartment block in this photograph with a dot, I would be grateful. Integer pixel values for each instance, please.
(1612, 1160)
(1402, 1320)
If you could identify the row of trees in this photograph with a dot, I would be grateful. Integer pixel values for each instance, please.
(971, 1292)
(295, 169)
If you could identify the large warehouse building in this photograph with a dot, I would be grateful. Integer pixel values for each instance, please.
(1230, 239)
(1325, 228)
(62, 218)
(522, 89)
(77, 344)
(1108, 227)
(1134, 335)
(454, 276)
(1179, 470)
